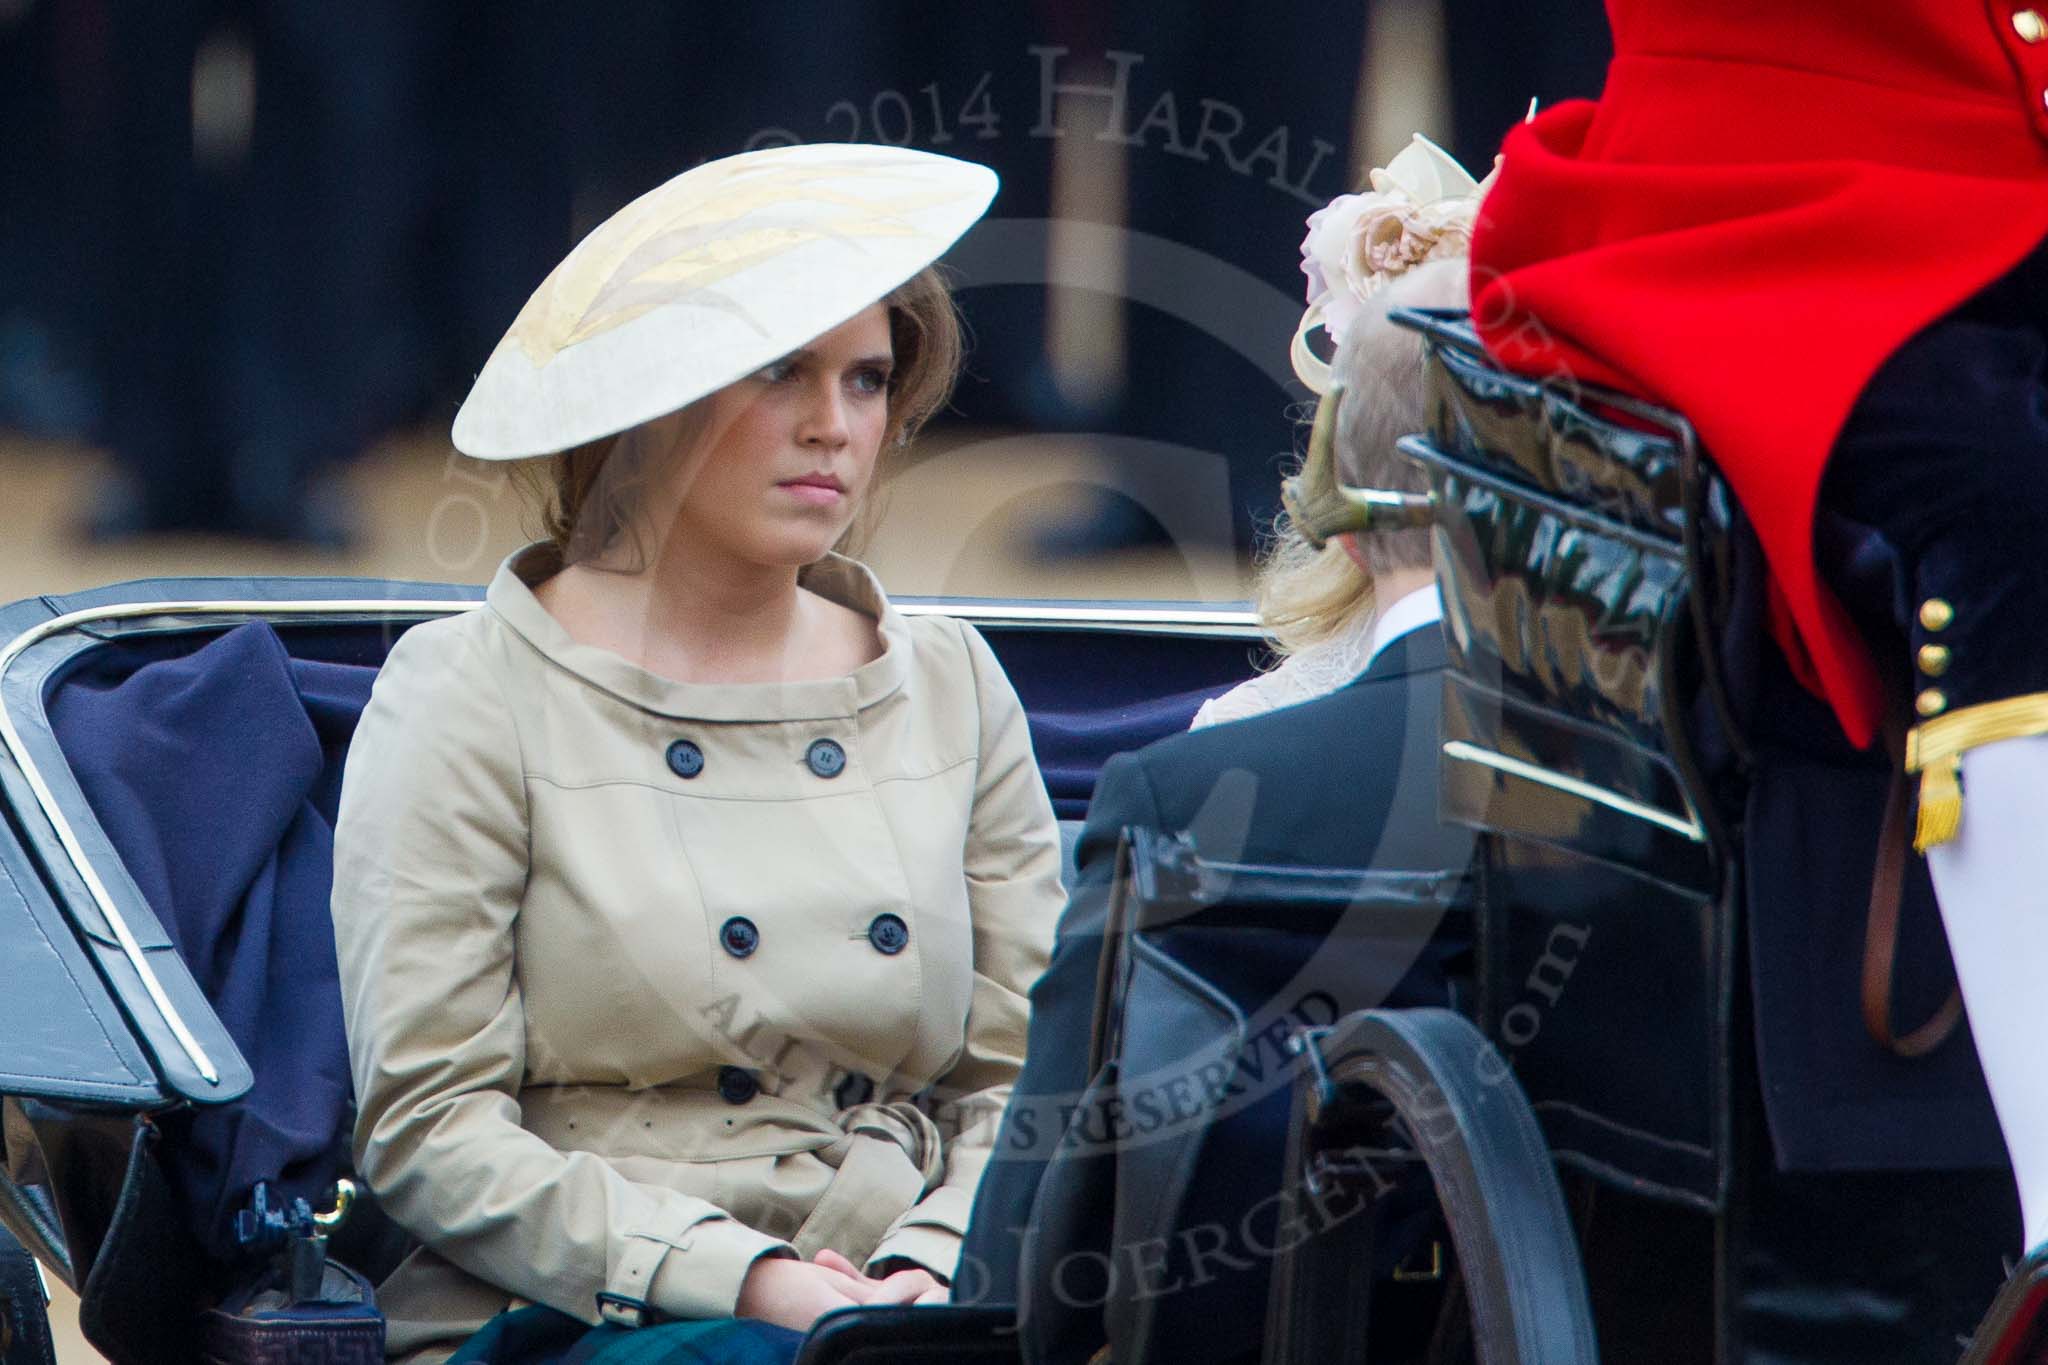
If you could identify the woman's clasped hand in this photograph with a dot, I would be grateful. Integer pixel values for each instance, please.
(794, 1294)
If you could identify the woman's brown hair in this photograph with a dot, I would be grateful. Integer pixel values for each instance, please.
(586, 494)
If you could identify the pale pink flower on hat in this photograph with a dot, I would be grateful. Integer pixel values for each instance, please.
(1420, 208)
(1329, 261)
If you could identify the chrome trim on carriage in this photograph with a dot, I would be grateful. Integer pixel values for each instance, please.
(1088, 616)
(68, 837)
(1472, 753)
(1155, 619)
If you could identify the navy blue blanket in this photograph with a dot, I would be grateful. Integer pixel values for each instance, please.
(1072, 745)
(216, 776)
(1090, 695)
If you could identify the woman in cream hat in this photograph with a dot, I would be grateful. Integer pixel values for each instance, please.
(687, 894)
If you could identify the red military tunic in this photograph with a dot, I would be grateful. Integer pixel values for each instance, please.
(1769, 198)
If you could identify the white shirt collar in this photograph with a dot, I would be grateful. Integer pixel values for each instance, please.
(1423, 607)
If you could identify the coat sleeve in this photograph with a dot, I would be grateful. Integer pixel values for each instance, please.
(1062, 1013)
(1014, 896)
(431, 861)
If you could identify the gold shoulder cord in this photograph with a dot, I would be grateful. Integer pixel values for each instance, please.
(1935, 749)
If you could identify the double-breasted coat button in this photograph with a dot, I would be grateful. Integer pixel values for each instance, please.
(736, 1085)
(855, 1089)
(685, 759)
(738, 936)
(1936, 614)
(889, 934)
(1931, 702)
(826, 758)
(1933, 660)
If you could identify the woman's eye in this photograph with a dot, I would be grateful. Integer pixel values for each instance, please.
(871, 381)
(775, 373)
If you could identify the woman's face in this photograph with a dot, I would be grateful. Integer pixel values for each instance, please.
(774, 467)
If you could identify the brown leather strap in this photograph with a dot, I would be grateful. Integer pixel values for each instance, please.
(1881, 929)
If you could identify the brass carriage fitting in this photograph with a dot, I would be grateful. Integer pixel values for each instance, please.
(1936, 614)
(344, 1200)
(1405, 1273)
(1321, 505)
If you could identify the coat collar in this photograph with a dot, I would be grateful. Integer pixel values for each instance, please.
(1419, 650)
(1423, 607)
(845, 581)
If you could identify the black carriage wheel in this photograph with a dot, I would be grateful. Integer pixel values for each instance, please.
(1465, 1119)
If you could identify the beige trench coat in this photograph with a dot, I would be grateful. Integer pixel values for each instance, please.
(641, 977)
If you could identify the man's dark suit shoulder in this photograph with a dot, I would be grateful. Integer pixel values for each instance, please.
(1347, 780)
(1290, 785)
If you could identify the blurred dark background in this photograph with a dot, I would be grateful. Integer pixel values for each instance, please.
(243, 240)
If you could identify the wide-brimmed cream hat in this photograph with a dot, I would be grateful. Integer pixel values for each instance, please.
(706, 279)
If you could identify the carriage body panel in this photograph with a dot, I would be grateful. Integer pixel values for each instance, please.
(1608, 933)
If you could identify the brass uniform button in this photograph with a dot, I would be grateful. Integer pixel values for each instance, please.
(2029, 24)
(1932, 702)
(1933, 660)
(1936, 614)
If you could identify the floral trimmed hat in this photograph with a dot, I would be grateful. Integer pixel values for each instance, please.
(1421, 207)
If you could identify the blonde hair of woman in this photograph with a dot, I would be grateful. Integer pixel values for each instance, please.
(1319, 607)
(1403, 242)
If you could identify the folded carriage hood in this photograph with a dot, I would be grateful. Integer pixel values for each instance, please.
(95, 1005)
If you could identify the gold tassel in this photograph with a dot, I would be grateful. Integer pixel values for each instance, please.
(1935, 749)
(1941, 804)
